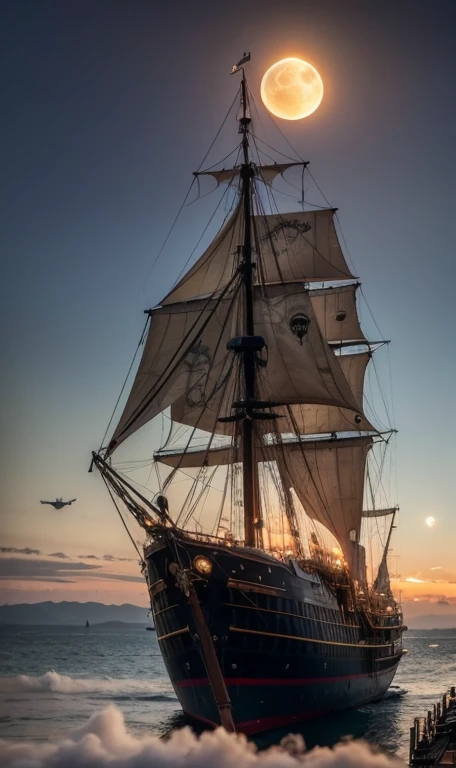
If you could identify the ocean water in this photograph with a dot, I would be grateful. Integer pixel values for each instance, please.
(53, 679)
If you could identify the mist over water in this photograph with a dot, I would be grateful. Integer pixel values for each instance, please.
(70, 694)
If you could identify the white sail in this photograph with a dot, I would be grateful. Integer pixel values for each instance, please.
(186, 360)
(185, 347)
(326, 475)
(328, 478)
(335, 309)
(294, 247)
(303, 419)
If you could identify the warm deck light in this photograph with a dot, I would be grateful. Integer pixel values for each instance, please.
(202, 564)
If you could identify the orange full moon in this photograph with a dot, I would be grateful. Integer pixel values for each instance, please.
(291, 89)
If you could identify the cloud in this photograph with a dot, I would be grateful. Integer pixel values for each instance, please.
(120, 577)
(104, 741)
(413, 580)
(34, 569)
(436, 568)
(13, 568)
(108, 558)
(61, 555)
(111, 558)
(438, 599)
(15, 550)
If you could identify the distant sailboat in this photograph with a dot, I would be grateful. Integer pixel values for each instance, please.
(87, 624)
(150, 627)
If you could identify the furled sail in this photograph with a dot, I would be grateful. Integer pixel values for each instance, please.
(379, 512)
(293, 247)
(266, 173)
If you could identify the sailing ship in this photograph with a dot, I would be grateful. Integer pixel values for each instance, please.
(150, 627)
(257, 576)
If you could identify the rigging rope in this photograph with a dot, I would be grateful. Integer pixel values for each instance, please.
(124, 384)
(121, 518)
(190, 188)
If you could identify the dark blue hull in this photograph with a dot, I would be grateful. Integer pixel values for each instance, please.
(290, 648)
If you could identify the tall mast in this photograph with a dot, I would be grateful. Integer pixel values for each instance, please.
(250, 480)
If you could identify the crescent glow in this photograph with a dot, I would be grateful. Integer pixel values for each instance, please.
(292, 89)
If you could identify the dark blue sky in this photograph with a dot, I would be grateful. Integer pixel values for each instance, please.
(108, 107)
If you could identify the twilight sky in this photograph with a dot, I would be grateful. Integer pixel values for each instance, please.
(108, 107)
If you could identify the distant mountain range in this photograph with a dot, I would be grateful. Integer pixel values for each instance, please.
(71, 614)
(76, 614)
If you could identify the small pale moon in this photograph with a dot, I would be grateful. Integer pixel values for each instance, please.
(292, 89)
(430, 521)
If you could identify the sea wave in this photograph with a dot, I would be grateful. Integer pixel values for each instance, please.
(52, 682)
(105, 742)
(394, 691)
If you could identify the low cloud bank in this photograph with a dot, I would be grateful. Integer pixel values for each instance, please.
(104, 742)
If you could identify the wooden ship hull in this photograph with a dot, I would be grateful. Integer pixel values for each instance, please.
(290, 645)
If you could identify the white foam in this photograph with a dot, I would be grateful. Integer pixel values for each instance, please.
(104, 742)
(394, 691)
(52, 682)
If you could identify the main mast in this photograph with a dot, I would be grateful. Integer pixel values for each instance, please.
(250, 479)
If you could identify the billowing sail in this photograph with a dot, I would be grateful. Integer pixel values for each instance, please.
(303, 419)
(335, 309)
(328, 479)
(185, 346)
(293, 248)
(185, 360)
(326, 475)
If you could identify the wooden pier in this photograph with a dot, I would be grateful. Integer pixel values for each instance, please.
(433, 738)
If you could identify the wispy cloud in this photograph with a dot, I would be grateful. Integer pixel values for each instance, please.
(436, 568)
(15, 550)
(120, 577)
(60, 555)
(108, 558)
(413, 580)
(14, 568)
(39, 569)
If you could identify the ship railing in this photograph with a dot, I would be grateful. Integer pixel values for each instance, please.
(230, 542)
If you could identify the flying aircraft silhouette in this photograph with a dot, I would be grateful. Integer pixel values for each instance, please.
(59, 503)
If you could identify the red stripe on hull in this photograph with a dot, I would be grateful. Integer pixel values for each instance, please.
(250, 727)
(195, 682)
